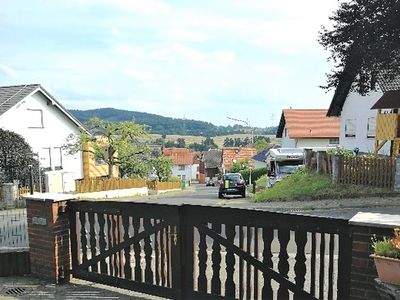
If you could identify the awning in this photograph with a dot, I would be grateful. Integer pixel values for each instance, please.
(390, 99)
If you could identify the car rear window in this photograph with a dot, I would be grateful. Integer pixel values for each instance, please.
(232, 177)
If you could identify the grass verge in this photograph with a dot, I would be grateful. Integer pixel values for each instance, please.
(305, 185)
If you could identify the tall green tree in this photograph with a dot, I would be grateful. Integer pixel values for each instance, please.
(364, 42)
(115, 143)
(15, 158)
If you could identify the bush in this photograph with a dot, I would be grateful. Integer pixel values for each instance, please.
(255, 174)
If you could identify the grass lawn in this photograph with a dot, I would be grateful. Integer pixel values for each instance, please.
(304, 185)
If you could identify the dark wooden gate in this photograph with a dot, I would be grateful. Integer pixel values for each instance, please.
(199, 252)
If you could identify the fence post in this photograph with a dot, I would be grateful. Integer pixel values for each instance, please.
(308, 158)
(335, 168)
(397, 175)
(320, 162)
(49, 238)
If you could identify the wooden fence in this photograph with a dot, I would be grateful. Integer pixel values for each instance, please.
(107, 184)
(163, 185)
(378, 172)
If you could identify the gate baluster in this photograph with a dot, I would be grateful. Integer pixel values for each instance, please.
(82, 219)
(248, 266)
(256, 254)
(102, 242)
(127, 250)
(313, 259)
(162, 247)
(331, 256)
(241, 262)
(115, 238)
(157, 253)
(268, 236)
(110, 244)
(92, 240)
(148, 250)
(137, 249)
(216, 262)
(230, 288)
(283, 264)
(202, 279)
(300, 265)
(322, 266)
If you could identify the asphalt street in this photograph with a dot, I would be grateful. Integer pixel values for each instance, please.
(199, 194)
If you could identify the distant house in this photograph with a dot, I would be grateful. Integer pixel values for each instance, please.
(259, 158)
(211, 163)
(185, 163)
(231, 155)
(358, 121)
(307, 128)
(32, 112)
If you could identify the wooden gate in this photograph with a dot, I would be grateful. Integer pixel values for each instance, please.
(199, 252)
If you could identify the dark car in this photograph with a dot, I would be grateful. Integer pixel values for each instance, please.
(232, 184)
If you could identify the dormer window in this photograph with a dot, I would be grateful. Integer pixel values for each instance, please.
(35, 118)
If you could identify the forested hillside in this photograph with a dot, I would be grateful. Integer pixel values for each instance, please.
(166, 125)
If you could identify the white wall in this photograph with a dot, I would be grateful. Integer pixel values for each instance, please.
(359, 107)
(187, 172)
(286, 141)
(310, 143)
(56, 128)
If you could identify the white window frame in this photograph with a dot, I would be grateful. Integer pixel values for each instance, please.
(181, 167)
(347, 131)
(40, 123)
(42, 158)
(371, 131)
(58, 165)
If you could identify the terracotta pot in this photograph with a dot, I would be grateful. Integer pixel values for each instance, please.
(388, 269)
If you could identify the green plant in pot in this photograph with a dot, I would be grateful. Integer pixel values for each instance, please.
(387, 258)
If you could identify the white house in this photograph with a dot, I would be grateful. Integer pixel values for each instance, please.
(307, 128)
(357, 120)
(185, 164)
(32, 112)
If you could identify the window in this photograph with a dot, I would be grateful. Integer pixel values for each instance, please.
(45, 158)
(333, 141)
(57, 157)
(371, 125)
(350, 128)
(35, 118)
(181, 167)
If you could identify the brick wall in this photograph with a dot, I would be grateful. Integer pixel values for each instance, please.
(363, 272)
(49, 240)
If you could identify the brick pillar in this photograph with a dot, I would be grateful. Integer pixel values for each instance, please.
(49, 240)
(363, 272)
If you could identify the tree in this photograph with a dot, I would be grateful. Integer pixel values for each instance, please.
(363, 43)
(162, 167)
(240, 166)
(180, 143)
(117, 144)
(261, 142)
(15, 158)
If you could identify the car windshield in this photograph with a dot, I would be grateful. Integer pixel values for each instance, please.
(287, 169)
(234, 177)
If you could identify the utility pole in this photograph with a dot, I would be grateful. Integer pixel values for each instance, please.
(245, 122)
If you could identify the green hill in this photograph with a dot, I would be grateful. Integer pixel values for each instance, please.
(166, 125)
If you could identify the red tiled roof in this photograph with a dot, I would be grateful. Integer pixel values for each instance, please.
(309, 123)
(236, 153)
(180, 156)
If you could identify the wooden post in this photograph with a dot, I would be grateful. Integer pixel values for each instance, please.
(308, 158)
(320, 162)
(397, 175)
(336, 159)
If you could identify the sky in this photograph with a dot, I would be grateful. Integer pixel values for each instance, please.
(205, 60)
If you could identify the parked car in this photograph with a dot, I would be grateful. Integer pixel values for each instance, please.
(211, 181)
(232, 184)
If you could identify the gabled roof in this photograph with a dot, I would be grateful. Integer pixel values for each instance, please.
(12, 95)
(180, 156)
(389, 100)
(344, 87)
(212, 158)
(261, 156)
(308, 123)
(229, 154)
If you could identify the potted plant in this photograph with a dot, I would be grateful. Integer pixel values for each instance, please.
(387, 258)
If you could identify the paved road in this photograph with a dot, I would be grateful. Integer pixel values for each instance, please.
(199, 194)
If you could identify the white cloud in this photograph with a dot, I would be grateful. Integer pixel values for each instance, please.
(147, 7)
(140, 75)
(184, 35)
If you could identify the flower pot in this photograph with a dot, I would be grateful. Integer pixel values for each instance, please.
(388, 269)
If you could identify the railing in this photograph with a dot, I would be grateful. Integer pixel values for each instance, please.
(14, 252)
(152, 185)
(377, 172)
(198, 252)
(99, 184)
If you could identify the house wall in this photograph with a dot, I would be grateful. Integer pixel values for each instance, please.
(187, 172)
(56, 128)
(286, 141)
(359, 108)
(310, 143)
